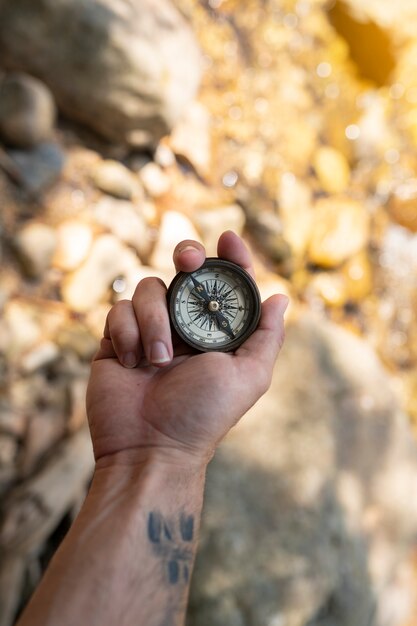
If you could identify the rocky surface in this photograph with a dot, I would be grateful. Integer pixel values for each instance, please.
(300, 523)
(117, 67)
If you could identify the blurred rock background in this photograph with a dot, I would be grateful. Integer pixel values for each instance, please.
(128, 126)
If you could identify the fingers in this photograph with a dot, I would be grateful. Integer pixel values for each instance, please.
(231, 248)
(150, 307)
(258, 354)
(121, 335)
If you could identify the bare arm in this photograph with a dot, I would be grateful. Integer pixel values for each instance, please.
(155, 419)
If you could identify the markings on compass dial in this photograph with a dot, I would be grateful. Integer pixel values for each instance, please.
(192, 309)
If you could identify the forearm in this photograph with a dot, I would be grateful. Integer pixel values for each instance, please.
(129, 555)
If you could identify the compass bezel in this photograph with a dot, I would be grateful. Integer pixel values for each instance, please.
(254, 304)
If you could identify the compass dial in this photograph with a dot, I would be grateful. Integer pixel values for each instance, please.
(216, 307)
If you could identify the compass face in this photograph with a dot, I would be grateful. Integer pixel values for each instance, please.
(216, 307)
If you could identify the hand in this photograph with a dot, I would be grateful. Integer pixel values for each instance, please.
(151, 396)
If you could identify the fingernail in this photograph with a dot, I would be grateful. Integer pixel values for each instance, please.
(159, 353)
(130, 359)
(283, 304)
(187, 249)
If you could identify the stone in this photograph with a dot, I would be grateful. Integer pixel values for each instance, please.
(126, 221)
(340, 230)
(308, 517)
(213, 222)
(332, 169)
(40, 356)
(35, 245)
(116, 180)
(191, 138)
(266, 232)
(39, 168)
(116, 67)
(174, 228)
(74, 239)
(89, 284)
(296, 212)
(27, 111)
(359, 276)
(44, 431)
(402, 205)
(154, 180)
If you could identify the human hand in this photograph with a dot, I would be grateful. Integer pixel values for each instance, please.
(152, 396)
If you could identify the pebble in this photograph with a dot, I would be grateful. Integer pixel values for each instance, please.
(35, 245)
(296, 212)
(358, 274)
(340, 230)
(88, 285)
(76, 337)
(27, 111)
(402, 205)
(191, 138)
(213, 222)
(40, 356)
(154, 180)
(39, 168)
(115, 179)
(174, 228)
(74, 239)
(332, 169)
(125, 221)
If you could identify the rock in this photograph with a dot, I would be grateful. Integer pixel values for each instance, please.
(265, 231)
(40, 356)
(27, 111)
(125, 221)
(23, 327)
(74, 239)
(44, 431)
(76, 337)
(296, 212)
(154, 180)
(116, 67)
(35, 244)
(89, 284)
(330, 287)
(191, 138)
(358, 274)
(332, 169)
(308, 516)
(213, 222)
(340, 230)
(115, 179)
(174, 228)
(402, 205)
(38, 168)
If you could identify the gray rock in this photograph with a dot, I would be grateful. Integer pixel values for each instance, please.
(126, 68)
(27, 111)
(38, 168)
(308, 515)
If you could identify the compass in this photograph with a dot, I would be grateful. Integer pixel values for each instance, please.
(216, 307)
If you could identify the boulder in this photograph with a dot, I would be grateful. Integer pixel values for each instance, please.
(308, 515)
(124, 68)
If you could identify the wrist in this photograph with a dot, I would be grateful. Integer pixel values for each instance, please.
(131, 470)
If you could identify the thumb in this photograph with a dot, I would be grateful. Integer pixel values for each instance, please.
(260, 351)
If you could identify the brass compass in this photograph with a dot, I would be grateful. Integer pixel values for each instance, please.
(216, 307)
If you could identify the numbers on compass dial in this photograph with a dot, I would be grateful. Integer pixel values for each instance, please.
(216, 307)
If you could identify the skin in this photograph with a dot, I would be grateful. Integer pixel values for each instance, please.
(156, 410)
